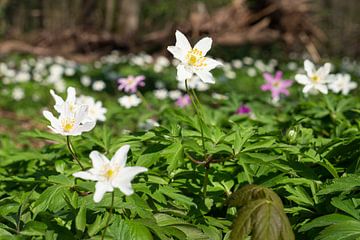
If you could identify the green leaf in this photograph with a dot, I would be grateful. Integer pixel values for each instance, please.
(80, 220)
(34, 228)
(241, 137)
(174, 154)
(347, 230)
(129, 229)
(343, 184)
(259, 145)
(52, 198)
(325, 221)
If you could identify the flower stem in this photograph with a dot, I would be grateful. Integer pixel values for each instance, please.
(206, 179)
(110, 215)
(196, 104)
(139, 94)
(72, 151)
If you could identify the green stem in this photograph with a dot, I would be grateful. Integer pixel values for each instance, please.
(110, 215)
(139, 94)
(206, 179)
(72, 151)
(196, 104)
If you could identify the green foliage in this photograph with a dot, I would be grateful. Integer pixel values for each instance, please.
(287, 171)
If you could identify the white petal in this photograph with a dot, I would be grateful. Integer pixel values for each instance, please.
(183, 73)
(302, 79)
(307, 88)
(204, 45)
(53, 121)
(85, 127)
(98, 159)
(100, 189)
(120, 156)
(322, 88)
(211, 64)
(125, 176)
(85, 176)
(80, 114)
(126, 188)
(309, 67)
(71, 95)
(324, 71)
(177, 52)
(58, 101)
(205, 76)
(182, 42)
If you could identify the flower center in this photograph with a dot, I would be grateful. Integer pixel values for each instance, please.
(109, 173)
(68, 124)
(276, 84)
(315, 78)
(195, 58)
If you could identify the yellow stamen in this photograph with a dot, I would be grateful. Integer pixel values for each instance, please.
(315, 78)
(68, 124)
(109, 173)
(195, 58)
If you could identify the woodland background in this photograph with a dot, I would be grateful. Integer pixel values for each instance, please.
(87, 28)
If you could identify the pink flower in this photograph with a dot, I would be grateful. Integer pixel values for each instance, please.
(276, 85)
(131, 83)
(243, 110)
(183, 101)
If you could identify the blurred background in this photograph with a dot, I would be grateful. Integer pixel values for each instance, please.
(86, 29)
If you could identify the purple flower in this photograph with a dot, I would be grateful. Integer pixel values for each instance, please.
(183, 101)
(131, 83)
(243, 110)
(276, 85)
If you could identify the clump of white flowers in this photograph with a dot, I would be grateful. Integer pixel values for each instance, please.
(73, 118)
(320, 80)
(76, 115)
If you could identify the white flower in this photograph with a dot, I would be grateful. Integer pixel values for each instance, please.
(237, 63)
(160, 63)
(85, 81)
(230, 74)
(110, 174)
(248, 60)
(129, 101)
(148, 124)
(60, 85)
(342, 83)
(193, 60)
(22, 77)
(251, 72)
(69, 123)
(218, 96)
(18, 94)
(315, 80)
(69, 71)
(98, 85)
(96, 112)
(174, 94)
(161, 94)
